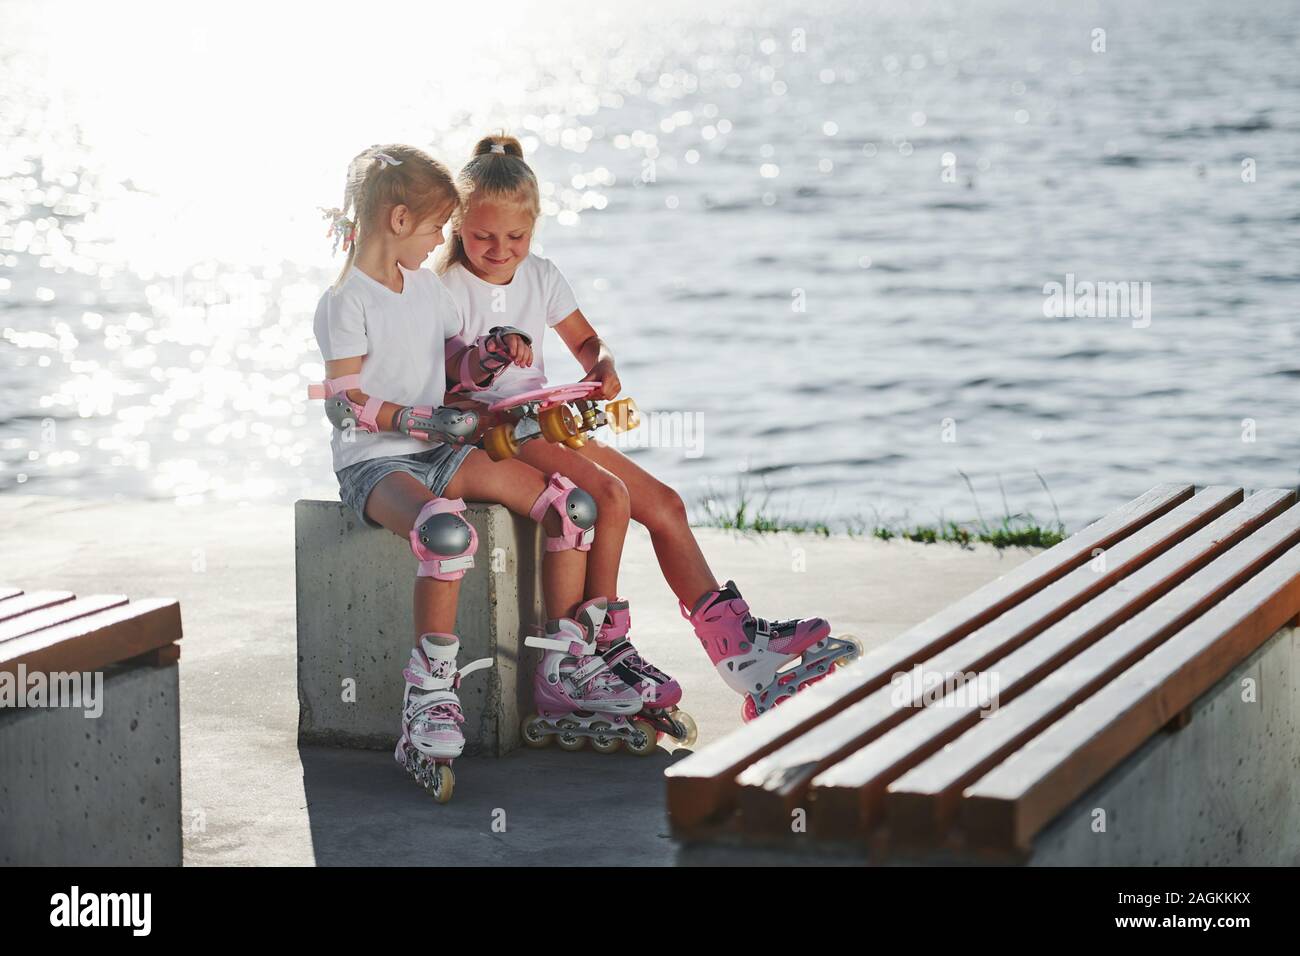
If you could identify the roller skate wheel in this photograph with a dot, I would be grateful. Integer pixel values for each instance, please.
(687, 723)
(442, 783)
(531, 732)
(557, 423)
(749, 711)
(605, 745)
(644, 739)
(570, 741)
(500, 443)
(623, 415)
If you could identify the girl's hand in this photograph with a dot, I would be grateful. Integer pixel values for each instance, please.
(603, 372)
(521, 353)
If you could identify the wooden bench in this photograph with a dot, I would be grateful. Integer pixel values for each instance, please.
(96, 779)
(1083, 654)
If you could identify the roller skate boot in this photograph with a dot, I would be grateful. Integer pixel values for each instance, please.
(750, 652)
(659, 692)
(578, 695)
(431, 714)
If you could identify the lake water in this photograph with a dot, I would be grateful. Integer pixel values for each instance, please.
(818, 235)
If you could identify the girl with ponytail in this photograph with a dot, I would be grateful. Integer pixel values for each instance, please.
(494, 277)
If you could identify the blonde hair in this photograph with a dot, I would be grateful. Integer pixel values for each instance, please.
(499, 175)
(382, 177)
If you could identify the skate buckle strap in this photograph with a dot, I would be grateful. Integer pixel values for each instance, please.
(422, 679)
(589, 670)
(437, 698)
(616, 652)
(575, 648)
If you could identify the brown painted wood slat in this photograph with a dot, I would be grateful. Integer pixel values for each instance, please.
(98, 640)
(33, 601)
(849, 797)
(57, 614)
(772, 788)
(1013, 802)
(701, 788)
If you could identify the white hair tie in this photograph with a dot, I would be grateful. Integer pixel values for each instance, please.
(387, 160)
(498, 148)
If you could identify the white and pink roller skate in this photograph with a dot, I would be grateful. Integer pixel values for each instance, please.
(660, 693)
(750, 652)
(431, 714)
(578, 696)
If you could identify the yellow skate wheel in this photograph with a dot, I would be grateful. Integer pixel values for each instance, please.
(622, 415)
(569, 738)
(500, 442)
(605, 745)
(531, 735)
(577, 441)
(858, 651)
(557, 423)
(444, 782)
(688, 724)
(644, 740)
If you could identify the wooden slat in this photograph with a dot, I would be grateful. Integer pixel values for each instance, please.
(34, 601)
(7, 593)
(158, 657)
(848, 798)
(1012, 803)
(96, 641)
(772, 788)
(701, 788)
(57, 614)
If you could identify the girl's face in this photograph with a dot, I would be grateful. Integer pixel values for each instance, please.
(496, 237)
(417, 241)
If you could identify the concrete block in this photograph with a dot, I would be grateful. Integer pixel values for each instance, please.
(355, 593)
(95, 791)
(1222, 790)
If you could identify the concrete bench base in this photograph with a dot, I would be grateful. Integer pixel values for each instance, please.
(356, 627)
(115, 778)
(1222, 791)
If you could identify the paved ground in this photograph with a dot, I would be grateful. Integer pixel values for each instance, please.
(252, 796)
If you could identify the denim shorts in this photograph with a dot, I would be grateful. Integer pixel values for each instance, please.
(433, 468)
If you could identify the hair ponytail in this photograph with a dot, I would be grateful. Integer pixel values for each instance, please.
(496, 172)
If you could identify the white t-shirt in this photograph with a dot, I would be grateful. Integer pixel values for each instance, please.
(536, 297)
(402, 335)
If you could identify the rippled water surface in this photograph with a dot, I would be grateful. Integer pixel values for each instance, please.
(820, 231)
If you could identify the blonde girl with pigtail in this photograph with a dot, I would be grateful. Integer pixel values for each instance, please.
(493, 276)
(403, 457)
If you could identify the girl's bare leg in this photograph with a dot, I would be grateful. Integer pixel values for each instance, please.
(517, 485)
(396, 501)
(658, 507)
(612, 509)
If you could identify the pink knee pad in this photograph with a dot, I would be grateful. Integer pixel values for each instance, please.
(443, 541)
(577, 511)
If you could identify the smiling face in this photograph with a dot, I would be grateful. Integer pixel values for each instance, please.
(496, 237)
(418, 239)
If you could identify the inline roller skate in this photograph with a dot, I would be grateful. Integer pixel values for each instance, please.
(750, 652)
(431, 714)
(577, 694)
(659, 692)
